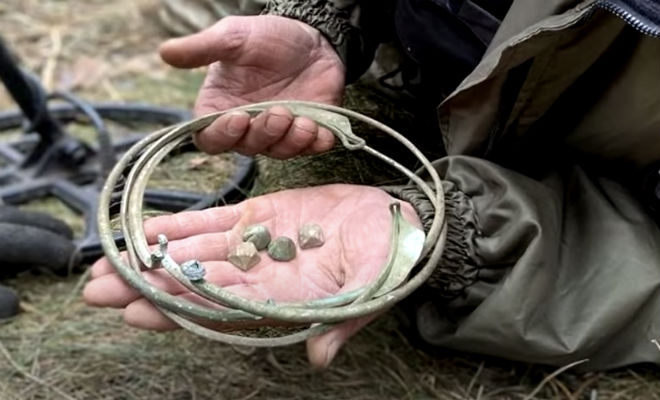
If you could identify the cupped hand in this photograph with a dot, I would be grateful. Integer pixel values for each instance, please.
(355, 219)
(254, 59)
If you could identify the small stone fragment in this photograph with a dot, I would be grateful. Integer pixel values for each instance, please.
(193, 270)
(282, 249)
(257, 234)
(310, 236)
(244, 256)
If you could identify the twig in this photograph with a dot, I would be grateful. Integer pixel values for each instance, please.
(65, 304)
(655, 342)
(252, 394)
(585, 385)
(75, 292)
(29, 376)
(552, 376)
(474, 380)
(48, 73)
(641, 380)
(480, 392)
(562, 388)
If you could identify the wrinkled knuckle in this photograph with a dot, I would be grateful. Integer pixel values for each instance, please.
(324, 143)
(306, 135)
(232, 32)
(276, 126)
(203, 143)
(306, 125)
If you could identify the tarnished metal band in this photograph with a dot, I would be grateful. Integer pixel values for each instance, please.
(407, 243)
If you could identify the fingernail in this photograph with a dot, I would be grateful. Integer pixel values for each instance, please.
(236, 124)
(333, 348)
(305, 125)
(277, 123)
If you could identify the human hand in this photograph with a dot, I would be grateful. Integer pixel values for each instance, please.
(254, 59)
(357, 224)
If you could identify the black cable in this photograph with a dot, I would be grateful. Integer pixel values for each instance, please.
(106, 151)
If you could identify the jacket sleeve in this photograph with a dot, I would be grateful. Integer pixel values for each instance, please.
(354, 28)
(546, 271)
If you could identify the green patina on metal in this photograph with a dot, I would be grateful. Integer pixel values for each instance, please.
(310, 236)
(282, 249)
(257, 234)
(408, 243)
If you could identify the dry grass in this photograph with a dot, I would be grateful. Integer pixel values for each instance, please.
(89, 354)
(60, 349)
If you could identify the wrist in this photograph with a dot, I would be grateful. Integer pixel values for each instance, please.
(323, 51)
(332, 23)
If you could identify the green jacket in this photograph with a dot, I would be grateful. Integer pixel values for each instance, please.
(551, 257)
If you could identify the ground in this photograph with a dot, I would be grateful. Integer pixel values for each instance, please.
(61, 349)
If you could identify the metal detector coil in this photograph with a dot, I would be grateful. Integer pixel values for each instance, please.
(45, 160)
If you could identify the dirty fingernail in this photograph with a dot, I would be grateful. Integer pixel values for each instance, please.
(237, 123)
(305, 125)
(276, 124)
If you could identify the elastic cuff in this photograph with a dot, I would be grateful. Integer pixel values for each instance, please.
(456, 270)
(417, 199)
(333, 23)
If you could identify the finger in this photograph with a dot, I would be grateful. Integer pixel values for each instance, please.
(203, 247)
(221, 42)
(102, 267)
(266, 129)
(110, 290)
(301, 135)
(325, 140)
(189, 223)
(142, 314)
(321, 350)
(223, 133)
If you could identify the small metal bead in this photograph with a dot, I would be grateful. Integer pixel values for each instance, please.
(162, 242)
(244, 256)
(310, 236)
(158, 255)
(282, 249)
(257, 234)
(193, 270)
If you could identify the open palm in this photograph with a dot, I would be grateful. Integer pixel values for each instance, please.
(254, 59)
(356, 222)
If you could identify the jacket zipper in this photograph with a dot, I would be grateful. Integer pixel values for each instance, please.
(628, 17)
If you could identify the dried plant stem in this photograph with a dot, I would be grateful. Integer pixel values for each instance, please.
(552, 376)
(48, 73)
(31, 377)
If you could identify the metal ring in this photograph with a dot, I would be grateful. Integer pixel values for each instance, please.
(143, 158)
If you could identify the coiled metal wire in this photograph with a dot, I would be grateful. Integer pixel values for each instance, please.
(136, 166)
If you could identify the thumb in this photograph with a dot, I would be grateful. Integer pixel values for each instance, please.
(220, 42)
(321, 350)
